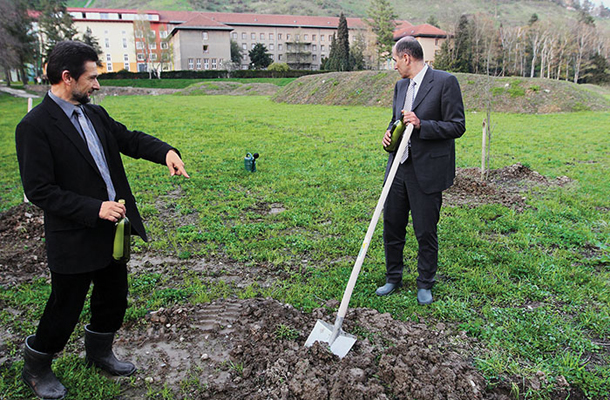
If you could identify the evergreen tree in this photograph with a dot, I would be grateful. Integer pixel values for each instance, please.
(92, 41)
(343, 44)
(463, 46)
(259, 58)
(236, 55)
(332, 62)
(433, 21)
(55, 23)
(381, 20)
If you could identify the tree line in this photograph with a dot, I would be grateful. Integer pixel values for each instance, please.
(21, 46)
(575, 50)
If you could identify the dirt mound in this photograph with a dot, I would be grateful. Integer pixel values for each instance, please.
(508, 186)
(254, 349)
(509, 94)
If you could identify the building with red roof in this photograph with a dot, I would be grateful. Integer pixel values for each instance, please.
(182, 40)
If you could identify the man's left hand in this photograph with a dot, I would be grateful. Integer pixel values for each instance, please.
(175, 164)
(411, 118)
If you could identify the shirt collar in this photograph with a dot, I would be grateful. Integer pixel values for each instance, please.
(66, 106)
(420, 76)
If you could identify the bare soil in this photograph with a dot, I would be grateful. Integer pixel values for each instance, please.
(253, 349)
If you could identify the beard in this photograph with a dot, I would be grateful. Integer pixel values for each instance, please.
(81, 97)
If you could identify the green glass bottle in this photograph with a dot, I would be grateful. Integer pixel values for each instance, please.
(122, 239)
(396, 131)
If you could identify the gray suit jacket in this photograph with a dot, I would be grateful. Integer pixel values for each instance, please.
(439, 107)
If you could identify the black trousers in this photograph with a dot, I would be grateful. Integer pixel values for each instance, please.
(68, 293)
(407, 196)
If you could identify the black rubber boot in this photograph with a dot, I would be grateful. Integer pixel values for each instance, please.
(38, 375)
(99, 353)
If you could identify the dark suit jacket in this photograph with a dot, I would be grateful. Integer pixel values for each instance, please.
(60, 176)
(439, 106)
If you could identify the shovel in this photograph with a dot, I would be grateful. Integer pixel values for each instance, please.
(339, 341)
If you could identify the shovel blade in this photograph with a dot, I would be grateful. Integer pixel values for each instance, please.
(322, 332)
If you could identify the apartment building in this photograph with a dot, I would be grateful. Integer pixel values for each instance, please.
(190, 40)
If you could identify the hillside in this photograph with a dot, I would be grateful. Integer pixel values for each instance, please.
(510, 12)
(511, 95)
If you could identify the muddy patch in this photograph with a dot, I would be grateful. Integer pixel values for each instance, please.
(508, 186)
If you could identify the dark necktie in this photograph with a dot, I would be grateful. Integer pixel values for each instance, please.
(95, 148)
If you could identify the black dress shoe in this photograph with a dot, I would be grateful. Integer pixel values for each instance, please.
(424, 296)
(387, 289)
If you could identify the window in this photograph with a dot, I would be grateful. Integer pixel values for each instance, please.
(199, 63)
(288, 47)
(126, 57)
(313, 37)
(153, 34)
(205, 35)
(164, 45)
(104, 16)
(330, 38)
(163, 34)
(272, 57)
(253, 44)
(206, 63)
(253, 36)
(321, 38)
(314, 47)
(152, 46)
(122, 33)
(139, 45)
(271, 36)
(262, 36)
(109, 67)
(107, 43)
(126, 66)
(234, 35)
(271, 46)
(153, 56)
(288, 36)
(280, 47)
(243, 35)
(191, 63)
(213, 63)
(297, 37)
(279, 57)
(124, 43)
(206, 48)
(108, 58)
(305, 37)
(141, 57)
(314, 57)
(279, 36)
(105, 32)
(139, 34)
(321, 47)
(244, 46)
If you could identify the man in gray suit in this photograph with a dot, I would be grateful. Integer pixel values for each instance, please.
(431, 101)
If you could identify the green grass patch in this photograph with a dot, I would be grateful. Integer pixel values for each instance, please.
(183, 83)
(532, 286)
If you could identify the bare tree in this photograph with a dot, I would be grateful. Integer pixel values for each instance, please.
(584, 35)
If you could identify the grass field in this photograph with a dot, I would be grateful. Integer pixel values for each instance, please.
(183, 83)
(532, 286)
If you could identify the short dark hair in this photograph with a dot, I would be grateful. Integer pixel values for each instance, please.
(71, 56)
(410, 46)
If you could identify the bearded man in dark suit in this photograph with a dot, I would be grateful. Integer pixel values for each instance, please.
(70, 163)
(431, 101)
